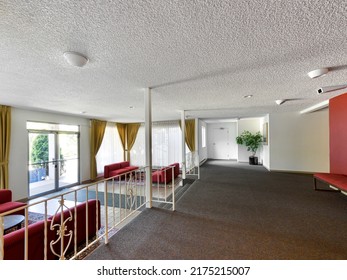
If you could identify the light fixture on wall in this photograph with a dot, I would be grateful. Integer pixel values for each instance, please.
(280, 101)
(75, 59)
(330, 88)
(318, 73)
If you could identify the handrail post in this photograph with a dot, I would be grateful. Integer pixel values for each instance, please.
(61, 231)
(106, 214)
(26, 235)
(173, 188)
(1, 237)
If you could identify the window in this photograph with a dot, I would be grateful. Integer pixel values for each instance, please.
(166, 144)
(203, 136)
(111, 149)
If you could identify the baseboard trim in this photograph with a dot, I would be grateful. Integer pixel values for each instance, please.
(292, 171)
(203, 161)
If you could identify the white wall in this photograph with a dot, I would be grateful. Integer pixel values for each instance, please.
(202, 150)
(18, 163)
(253, 125)
(299, 142)
(221, 140)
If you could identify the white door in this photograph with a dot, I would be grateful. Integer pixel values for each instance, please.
(220, 143)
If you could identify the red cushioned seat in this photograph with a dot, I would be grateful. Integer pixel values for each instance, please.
(119, 168)
(164, 175)
(6, 203)
(176, 169)
(14, 243)
(337, 180)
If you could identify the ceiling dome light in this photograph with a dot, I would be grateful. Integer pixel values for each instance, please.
(318, 73)
(75, 59)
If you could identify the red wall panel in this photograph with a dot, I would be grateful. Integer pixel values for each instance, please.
(338, 134)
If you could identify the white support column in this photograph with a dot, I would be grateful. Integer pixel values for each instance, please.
(183, 128)
(148, 144)
(197, 146)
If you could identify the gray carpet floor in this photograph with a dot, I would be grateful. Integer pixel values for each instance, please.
(238, 211)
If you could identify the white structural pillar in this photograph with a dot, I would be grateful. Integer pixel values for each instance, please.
(197, 145)
(183, 128)
(148, 144)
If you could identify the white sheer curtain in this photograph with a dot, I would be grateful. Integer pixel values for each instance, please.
(111, 150)
(137, 153)
(166, 144)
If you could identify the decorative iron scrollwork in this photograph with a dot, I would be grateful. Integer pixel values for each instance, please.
(61, 229)
(131, 192)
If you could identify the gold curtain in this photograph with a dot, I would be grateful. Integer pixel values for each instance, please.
(127, 133)
(5, 137)
(132, 129)
(97, 134)
(190, 134)
(122, 128)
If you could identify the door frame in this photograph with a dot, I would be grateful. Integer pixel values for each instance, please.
(56, 159)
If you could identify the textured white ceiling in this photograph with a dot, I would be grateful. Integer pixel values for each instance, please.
(200, 56)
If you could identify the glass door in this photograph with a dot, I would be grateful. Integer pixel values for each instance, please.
(53, 159)
(42, 165)
(67, 162)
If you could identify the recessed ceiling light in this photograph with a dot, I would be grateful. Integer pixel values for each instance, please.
(131, 107)
(83, 112)
(248, 96)
(318, 73)
(75, 59)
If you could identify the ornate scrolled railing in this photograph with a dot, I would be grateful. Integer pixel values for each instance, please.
(119, 198)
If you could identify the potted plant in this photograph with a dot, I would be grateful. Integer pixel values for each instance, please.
(252, 141)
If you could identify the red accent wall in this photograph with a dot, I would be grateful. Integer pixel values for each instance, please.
(338, 134)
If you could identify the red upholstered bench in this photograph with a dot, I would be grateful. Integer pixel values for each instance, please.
(115, 169)
(336, 181)
(163, 175)
(6, 203)
(176, 169)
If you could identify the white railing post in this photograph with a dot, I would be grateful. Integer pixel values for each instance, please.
(1, 238)
(62, 231)
(183, 128)
(45, 243)
(106, 213)
(26, 235)
(75, 224)
(198, 163)
(173, 188)
(148, 145)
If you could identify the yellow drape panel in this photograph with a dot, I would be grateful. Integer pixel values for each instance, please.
(127, 133)
(132, 129)
(190, 134)
(5, 137)
(97, 134)
(122, 129)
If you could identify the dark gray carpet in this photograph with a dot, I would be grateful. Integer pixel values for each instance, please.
(237, 211)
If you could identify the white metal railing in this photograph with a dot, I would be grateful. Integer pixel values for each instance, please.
(192, 164)
(118, 197)
(164, 187)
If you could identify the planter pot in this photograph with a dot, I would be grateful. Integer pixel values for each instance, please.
(253, 160)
